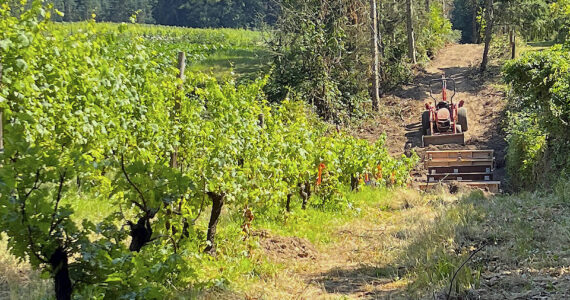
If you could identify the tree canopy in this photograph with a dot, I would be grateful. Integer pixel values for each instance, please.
(186, 13)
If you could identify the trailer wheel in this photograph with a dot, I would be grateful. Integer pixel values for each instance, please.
(462, 118)
(425, 122)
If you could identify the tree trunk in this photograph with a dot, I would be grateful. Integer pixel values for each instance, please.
(513, 41)
(474, 29)
(488, 33)
(381, 45)
(1, 118)
(288, 204)
(410, 26)
(375, 62)
(354, 180)
(305, 192)
(60, 269)
(217, 203)
(67, 10)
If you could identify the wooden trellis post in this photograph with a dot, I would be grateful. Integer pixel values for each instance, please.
(177, 104)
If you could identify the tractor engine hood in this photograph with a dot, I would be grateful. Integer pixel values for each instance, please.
(443, 114)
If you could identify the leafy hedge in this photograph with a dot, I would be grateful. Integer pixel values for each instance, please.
(539, 125)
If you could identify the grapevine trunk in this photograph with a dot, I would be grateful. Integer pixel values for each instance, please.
(60, 267)
(141, 233)
(217, 203)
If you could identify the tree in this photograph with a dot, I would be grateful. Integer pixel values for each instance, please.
(68, 9)
(410, 28)
(375, 84)
(322, 56)
(475, 35)
(489, 19)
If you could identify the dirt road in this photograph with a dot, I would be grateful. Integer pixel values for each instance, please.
(482, 95)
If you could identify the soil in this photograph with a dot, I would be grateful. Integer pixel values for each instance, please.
(483, 98)
(281, 248)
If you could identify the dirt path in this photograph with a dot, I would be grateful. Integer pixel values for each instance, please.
(482, 95)
(370, 250)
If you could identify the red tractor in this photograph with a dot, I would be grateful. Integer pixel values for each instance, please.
(444, 122)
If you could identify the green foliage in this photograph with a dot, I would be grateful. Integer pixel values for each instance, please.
(313, 59)
(96, 113)
(207, 14)
(436, 33)
(527, 146)
(463, 19)
(186, 13)
(542, 83)
(560, 12)
(540, 120)
(533, 20)
(322, 52)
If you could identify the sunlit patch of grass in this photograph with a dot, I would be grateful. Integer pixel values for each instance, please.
(537, 46)
(89, 207)
(317, 226)
(246, 63)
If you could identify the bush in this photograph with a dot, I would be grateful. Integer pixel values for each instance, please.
(539, 124)
(527, 146)
(436, 33)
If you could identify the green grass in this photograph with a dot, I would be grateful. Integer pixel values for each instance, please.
(248, 63)
(223, 52)
(536, 46)
(407, 242)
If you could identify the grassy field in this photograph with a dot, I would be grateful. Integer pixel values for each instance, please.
(392, 243)
(223, 52)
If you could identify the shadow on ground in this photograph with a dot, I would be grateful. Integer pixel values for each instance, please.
(367, 282)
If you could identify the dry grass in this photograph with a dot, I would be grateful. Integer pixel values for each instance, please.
(370, 254)
(18, 280)
(407, 245)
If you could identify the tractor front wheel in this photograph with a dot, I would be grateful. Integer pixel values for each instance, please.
(462, 118)
(425, 123)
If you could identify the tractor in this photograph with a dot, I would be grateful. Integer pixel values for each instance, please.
(444, 122)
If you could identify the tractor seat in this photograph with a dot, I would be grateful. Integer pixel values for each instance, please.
(442, 104)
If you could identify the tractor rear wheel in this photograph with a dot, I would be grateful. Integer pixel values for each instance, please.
(425, 122)
(462, 118)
